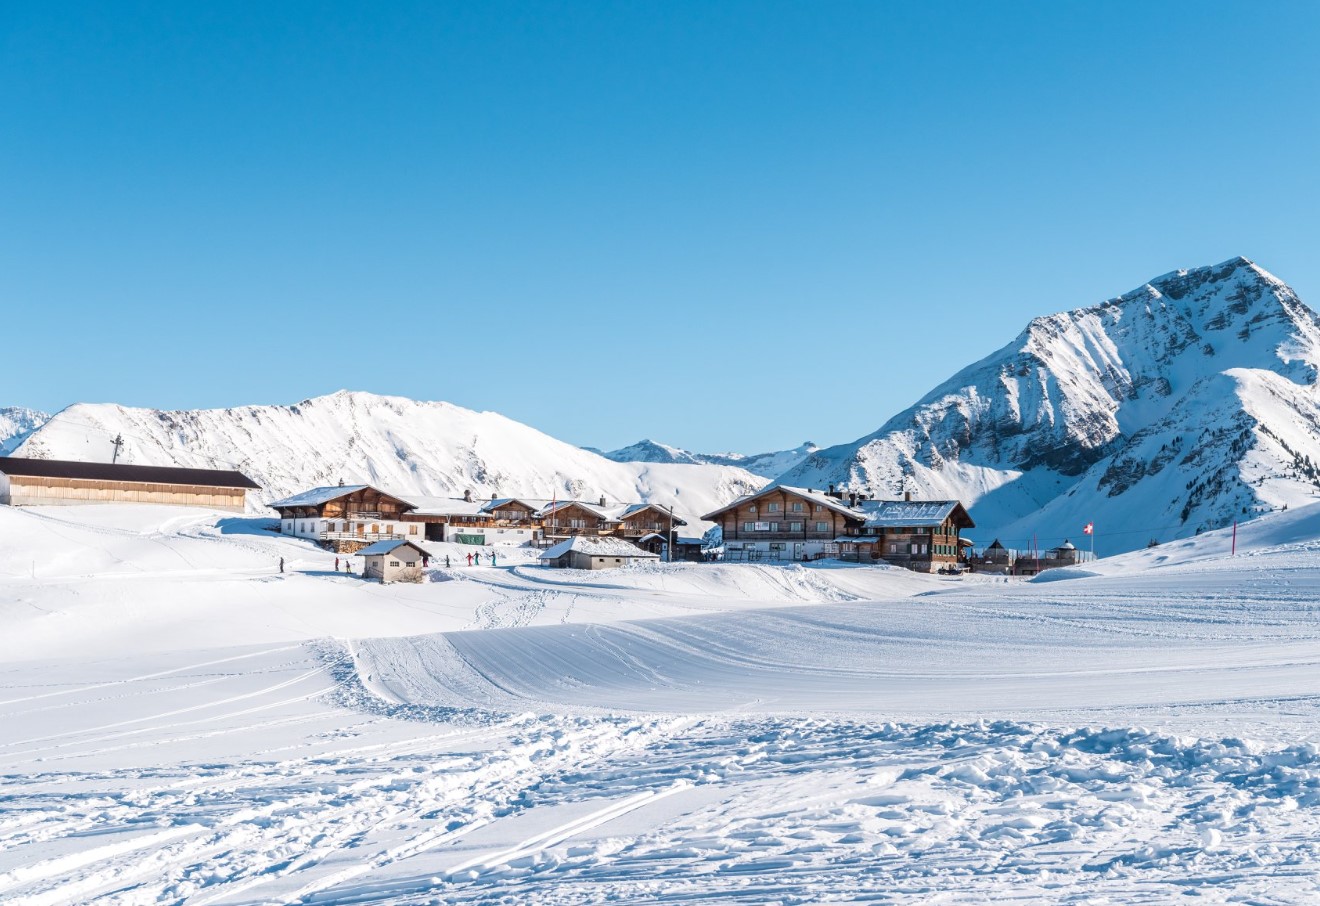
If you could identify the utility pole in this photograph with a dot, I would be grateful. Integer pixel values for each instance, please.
(117, 443)
(669, 548)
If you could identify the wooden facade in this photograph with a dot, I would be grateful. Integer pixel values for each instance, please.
(785, 523)
(25, 482)
(346, 519)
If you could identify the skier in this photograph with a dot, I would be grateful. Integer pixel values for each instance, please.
(446, 561)
(336, 564)
(281, 564)
(469, 559)
(492, 558)
(478, 558)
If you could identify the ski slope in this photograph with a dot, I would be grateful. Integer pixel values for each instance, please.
(182, 723)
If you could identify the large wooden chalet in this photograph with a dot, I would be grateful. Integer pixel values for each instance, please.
(788, 523)
(51, 482)
(346, 518)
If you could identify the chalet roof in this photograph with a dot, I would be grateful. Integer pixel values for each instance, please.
(597, 547)
(389, 546)
(504, 501)
(318, 496)
(818, 497)
(633, 509)
(104, 471)
(916, 513)
(995, 545)
(558, 505)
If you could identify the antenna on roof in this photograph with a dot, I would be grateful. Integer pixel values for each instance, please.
(117, 443)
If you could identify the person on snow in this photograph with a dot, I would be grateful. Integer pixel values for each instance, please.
(492, 558)
(478, 555)
(336, 564)
(469, 559)
(281, 564)
(446, 561)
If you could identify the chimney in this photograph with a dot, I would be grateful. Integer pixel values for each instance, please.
(907, 496)
(492, 496)
(467, 496)
(852, 498)
(602, 500)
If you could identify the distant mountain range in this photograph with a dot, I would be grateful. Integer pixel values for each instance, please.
(1179, 406)
(767, 465)
(424, 448)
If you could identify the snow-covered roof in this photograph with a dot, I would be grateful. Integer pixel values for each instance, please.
(557, 505)
(318, 496)
(388, 546)
(596, 547)
(819, 497)
(446, 506)
(898, 513)
(501, 501)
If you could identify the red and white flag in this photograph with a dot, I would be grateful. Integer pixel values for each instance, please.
(1090, 529)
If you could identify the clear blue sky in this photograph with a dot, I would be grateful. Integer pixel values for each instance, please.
(721, 225)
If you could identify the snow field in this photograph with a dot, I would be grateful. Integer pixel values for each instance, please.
(180, 724)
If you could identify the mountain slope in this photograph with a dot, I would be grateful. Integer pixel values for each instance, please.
(767, 465)
(428, 448)
(16, 423)
(1169, 409)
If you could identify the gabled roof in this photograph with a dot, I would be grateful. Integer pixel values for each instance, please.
(318, 496)
(597, 547)
(633, 509)
(818, 497)
(558, 505)
(389, 546)
(104, 471)
(503, 501)
(916, 513)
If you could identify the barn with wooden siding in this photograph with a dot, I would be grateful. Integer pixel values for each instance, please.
(53, 482)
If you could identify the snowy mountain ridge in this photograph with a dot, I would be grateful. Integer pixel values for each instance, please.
(1173, 408)
(16, 423)
(406, 446)
(767, 465)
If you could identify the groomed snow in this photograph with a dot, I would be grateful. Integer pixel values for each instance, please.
(180, 723)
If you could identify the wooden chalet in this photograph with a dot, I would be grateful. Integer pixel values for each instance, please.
(51, 482)
(346, 518)
(787, 523)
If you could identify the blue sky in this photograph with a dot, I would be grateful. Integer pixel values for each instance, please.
(720, 225)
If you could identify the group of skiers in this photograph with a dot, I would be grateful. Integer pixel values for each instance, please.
(473, 558)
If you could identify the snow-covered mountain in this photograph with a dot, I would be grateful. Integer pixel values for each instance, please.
(1176, 407)
(16, 423)
(767, 465)
(424, 448)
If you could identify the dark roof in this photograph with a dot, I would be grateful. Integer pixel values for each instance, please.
(104, 471)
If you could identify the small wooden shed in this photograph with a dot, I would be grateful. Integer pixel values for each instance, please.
(393, 560)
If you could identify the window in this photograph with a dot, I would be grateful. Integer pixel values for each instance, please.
(797, 506)
(820, 508)
(822, 526)
(749, 526)
(394, 563)
(795, 526)
(893, 548)
(772, 508)
(577, 523)
(412, 529)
